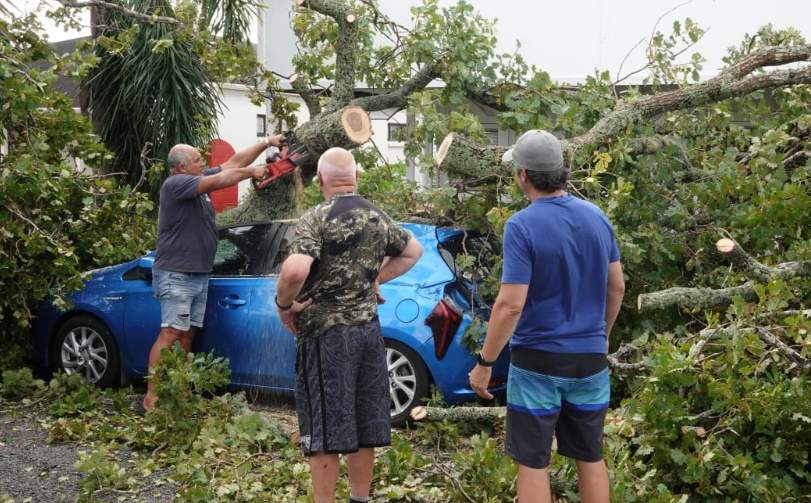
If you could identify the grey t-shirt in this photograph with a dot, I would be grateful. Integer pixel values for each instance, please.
(187, 230)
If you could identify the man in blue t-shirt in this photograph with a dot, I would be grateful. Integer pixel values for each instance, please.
(561, 289)
(187, 241)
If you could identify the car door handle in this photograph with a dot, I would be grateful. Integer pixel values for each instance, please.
(230, 301)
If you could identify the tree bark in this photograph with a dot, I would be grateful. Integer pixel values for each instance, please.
(459, 414)
(345, 128)
(757, 271)
(695, 298)
(708, 298)
(343, 89)
(462, 158)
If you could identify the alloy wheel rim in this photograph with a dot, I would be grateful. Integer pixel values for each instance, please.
(402, 381)
(84, 352)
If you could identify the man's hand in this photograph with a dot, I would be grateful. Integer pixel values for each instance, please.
(276, 141)
(259, 172)
(380, 298)
(288, 316)
(479, 379)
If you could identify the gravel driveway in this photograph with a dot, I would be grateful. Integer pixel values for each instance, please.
(33, 471)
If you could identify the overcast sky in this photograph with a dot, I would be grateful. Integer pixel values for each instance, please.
(570, 39)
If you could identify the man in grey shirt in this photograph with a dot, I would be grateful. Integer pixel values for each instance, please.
(187, 241)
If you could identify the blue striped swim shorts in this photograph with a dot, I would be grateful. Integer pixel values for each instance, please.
(573, 409)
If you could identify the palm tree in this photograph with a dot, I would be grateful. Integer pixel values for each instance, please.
(151, 89)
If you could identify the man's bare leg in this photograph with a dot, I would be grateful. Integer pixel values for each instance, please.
(324, 470)
(533, 485)
(166, 339)
(593, 481)
(360, 466)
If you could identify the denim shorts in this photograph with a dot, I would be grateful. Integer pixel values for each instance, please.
(183, 298)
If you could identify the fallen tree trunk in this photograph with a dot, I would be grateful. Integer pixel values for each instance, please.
(462, 158)
(476, 164)
(708, 298)
(739, 79)
(347, 128)
(459, 414)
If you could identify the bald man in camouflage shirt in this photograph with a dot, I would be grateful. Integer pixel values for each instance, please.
(343, 250)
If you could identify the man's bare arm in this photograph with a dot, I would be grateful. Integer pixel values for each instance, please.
(399, 265)
(228, 178)
(615, 290)
(248, 155)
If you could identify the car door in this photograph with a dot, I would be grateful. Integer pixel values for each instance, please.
(242, 323)
(142, 317)
(240, 252)
(272, 357)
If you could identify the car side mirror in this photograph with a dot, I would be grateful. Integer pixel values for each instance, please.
(145, 267)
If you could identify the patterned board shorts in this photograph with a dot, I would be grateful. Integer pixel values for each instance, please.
(342, 390)
(573, 409)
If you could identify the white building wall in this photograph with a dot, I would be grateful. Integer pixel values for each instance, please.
(390, 149)
(238, 124)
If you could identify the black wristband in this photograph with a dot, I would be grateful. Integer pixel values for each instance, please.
(281, 307)
(484, 363)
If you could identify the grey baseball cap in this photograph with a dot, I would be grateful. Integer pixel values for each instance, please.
(536, 150)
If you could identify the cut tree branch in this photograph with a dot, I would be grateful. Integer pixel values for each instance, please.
(734, 81)
(346, 47)
(757, 271)
(311, 97)
(695, 298)
(708, 298)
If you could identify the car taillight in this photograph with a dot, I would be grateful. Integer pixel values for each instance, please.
(444, 321)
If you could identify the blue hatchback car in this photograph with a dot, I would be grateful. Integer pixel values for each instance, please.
(107, 334)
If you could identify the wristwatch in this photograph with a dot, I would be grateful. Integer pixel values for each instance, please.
(481, 361)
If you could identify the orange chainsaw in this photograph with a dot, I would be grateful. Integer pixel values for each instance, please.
(291, 155)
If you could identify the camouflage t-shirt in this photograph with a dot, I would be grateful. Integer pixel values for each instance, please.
(349, 238)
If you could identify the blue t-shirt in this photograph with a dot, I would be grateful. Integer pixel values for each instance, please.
(560, 247)
(187, 229)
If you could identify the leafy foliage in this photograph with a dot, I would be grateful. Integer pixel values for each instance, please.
(718, 413)
(139, 108)
(57, 221)
(233, 454)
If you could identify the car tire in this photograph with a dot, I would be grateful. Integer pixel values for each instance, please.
(83, 345)
(408, 380)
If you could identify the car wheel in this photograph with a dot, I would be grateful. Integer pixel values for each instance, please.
(408, 380)
(84, 346)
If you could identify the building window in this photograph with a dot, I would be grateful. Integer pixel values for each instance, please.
(492, 134)
(261, 125)
(397, 132)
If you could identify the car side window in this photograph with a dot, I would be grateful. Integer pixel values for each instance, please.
(283, 249)
(470, 256)
(238, 248)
